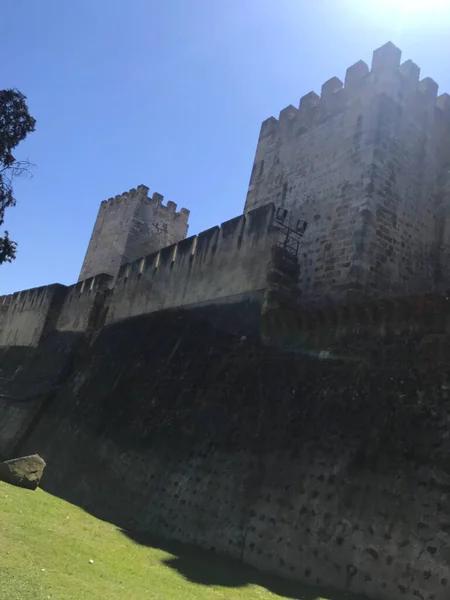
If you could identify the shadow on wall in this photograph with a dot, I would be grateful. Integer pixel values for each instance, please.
(206, 568)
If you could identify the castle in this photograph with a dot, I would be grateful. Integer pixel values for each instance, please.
(321, 454)
(356, 180)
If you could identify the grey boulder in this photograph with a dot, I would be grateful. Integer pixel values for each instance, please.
(24, 472)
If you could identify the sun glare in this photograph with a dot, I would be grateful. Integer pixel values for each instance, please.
(405, 12)
(415, 5)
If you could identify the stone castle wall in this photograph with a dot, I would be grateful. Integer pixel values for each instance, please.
(330, 468)
(220, 264)
(130, 226)
(233, 263)
(361, 164)
(365, 165)
(84, 305)
(322, 455)
(30, 314)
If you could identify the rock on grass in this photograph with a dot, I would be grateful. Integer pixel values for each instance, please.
(24, 472)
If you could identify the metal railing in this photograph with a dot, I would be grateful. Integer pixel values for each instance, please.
(290, 236)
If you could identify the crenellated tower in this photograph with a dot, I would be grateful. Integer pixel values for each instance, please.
(364, 165)
(129, 226)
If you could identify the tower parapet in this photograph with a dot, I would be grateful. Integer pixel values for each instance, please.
(130, 225)
(360, 163)
(386, 75)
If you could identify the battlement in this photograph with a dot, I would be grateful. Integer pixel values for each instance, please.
(91, 285)
(28, 315)
(221, 262)
(140, 194)
(362, 164)
(84, 308)
(130, 225)
(386, 75)
(241, 231)
(26, 299)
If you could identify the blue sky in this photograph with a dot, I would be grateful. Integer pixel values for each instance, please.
(171, 94)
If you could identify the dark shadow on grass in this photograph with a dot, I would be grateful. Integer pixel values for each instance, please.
(204, 567)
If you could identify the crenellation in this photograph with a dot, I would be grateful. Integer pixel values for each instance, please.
(287, 115)
(129, 226)
(308, 110)
(30, 314)
(428, 88)
(383, 77)
(142, 189)
(157, 198)
(217, 263)
(206, 240)
(233, 228)
(361, 165)
(364, 157)
(151, 262)
(330, 89)
(6, 300)
(187, 247)
(356, 77)
(333, 99)
(269, 127)
(309, 100)
(142, 265)
(386, 59)
(443, 102)
(410, 71)
(98, 282)
(167, 256)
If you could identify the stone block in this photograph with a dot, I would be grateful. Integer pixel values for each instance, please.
(23, 472)
(386, 58)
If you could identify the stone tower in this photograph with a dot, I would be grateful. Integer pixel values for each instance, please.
(130, 226)
(363, 165)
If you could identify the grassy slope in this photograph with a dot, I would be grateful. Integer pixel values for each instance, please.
(46, 545)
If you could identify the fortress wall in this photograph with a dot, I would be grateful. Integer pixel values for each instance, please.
(222, 262)
(30, 377)
(324, 330)
(31, 314)
(443, 230)
(333, 472)
(360, 164)
(14, 420)
(4, 305)
(27, 316)
(84, 304)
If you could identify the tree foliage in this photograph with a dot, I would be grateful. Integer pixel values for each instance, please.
(15, 124)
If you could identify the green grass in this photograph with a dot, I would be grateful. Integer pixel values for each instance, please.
(46, 546)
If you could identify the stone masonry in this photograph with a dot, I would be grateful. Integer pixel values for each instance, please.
(364, 165)
(129, 226)
(250, 399)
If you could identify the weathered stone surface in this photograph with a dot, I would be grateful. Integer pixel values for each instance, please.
(129, 226)
(363, 166)
(328, 463)
(24, 472)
